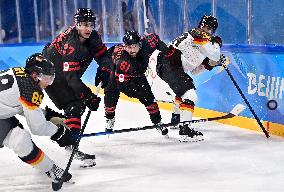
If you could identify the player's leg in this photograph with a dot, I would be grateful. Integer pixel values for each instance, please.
(73, 110)
(144, 94)
(171, 71)
(187, 133)
(19, 140)
(110, 100)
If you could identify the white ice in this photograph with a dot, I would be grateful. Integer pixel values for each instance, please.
(230, 159)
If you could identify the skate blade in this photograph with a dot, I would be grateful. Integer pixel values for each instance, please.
(70, 182)
(185, 138)
(88, 163)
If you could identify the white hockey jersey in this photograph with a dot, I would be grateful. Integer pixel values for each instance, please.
(195, 50)
(19, 94)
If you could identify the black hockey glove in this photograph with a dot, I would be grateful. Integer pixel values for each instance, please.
(50, 113)
(217, 39)
(75, 109)
(103, 75)
(63, 136)
(210, 64)
(92, 102)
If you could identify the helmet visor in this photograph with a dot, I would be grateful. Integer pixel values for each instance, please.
(46, 78)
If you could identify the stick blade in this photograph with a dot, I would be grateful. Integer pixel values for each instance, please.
(238, 109)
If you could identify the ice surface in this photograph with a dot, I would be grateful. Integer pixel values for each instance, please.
(230, 159)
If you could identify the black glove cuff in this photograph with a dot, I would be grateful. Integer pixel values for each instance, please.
(60, 132)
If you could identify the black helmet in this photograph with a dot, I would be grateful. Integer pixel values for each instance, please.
(84, 15)
(38, 63)
(210, 21)
(131, 37)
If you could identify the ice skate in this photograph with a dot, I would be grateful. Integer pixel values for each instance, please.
(55, 173)
(87, 159)
(109, 125)
(175, 119)
(188, 134)
(163, 130)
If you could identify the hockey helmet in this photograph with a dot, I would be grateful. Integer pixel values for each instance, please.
(131, 37)
(210, 21)
(38, 63)
(84, 15)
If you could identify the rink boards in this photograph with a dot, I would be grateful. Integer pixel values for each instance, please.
(258, 70)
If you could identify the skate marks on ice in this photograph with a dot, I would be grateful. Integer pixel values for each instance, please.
(229, 159)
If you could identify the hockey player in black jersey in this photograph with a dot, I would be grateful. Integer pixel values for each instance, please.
(192, 52)
(130, 62)
(21, 92)
(72, 52)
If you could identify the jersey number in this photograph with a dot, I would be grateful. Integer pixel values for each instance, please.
(124, 66)
(37, 98)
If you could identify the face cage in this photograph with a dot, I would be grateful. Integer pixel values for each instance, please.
(46, 78)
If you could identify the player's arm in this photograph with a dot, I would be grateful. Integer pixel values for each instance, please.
(103, 59)
(182, 42)
(37, 122)
(209, 64)
(106, 69)
(155, 42)
(211, 49)
(99, 49)
(39, 126)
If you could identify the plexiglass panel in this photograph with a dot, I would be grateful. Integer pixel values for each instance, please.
(240, 21)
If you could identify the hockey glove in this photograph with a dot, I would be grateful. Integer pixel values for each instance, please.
(211, 64)
(92, 102)
(103, 75)
(50, 113)
(63, 136)
(222, 60)
(217, 39)
(75, 109)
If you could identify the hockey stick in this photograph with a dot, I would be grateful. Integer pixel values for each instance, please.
(58, 185)
(234, 112)
(146, 18)
(246, 101)
(165, 101)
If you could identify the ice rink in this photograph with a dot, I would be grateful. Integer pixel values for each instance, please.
(230, 159)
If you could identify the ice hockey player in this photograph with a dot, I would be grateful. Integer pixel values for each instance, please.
(130, 62)
(21, 92)
(194, 51)
(72, 51)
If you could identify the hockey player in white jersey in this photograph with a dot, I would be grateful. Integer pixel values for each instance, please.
(21, 93)
(192, 52)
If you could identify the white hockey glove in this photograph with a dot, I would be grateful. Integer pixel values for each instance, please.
(221, 62)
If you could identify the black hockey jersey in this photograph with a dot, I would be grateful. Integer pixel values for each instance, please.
(72, 58)
(126, 66)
